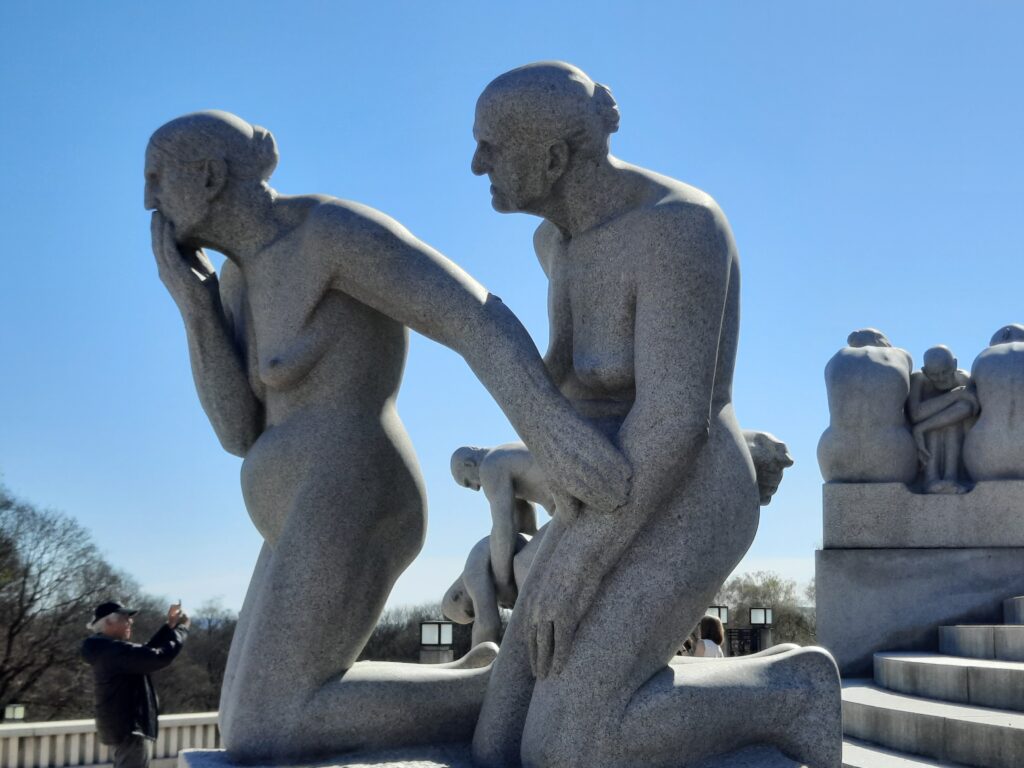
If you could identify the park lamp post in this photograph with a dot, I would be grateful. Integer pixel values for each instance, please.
(14, 713)
(436, 642)
(720, 612)
(761, 623)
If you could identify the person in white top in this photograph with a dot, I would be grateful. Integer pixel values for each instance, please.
(712, 636)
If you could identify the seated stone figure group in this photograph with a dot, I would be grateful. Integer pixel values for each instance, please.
(939, 429)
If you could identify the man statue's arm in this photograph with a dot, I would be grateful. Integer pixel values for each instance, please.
(498, 488)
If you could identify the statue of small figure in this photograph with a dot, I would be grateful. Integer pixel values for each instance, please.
(993, 448)
(941, 405)
(868, 439)
(497, 565)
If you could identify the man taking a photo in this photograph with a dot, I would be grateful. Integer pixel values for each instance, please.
(126, 704)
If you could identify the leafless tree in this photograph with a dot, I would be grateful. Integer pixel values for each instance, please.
(793, 621)
(51, 576)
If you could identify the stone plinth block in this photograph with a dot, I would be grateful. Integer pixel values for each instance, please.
(1013, 610)
(458, 756)
(871, 600)
(889, 515)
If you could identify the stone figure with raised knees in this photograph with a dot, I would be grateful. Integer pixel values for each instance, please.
(644, 314)
(994, 446)
(497, 565)
(941, 406)
(297, 352)
(868, 439)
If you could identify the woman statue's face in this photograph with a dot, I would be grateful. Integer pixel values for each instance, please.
(176, 189)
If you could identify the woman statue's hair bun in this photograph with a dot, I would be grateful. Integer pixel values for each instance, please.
(606, 108)
(264, 152)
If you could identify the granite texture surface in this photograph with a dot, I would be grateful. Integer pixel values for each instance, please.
(889, 515)
(871, 600)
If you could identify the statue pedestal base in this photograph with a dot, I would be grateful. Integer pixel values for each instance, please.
(458, 756)
(871, 600)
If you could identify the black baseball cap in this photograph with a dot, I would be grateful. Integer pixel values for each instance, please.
(105, 609)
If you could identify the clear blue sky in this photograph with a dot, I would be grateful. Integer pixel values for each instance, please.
(870, 157)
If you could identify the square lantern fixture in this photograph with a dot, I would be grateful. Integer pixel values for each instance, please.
(435, 634)
(14, 712)
(720, 612)
(760, 617)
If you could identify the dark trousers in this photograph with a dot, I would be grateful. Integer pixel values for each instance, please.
(133, 752)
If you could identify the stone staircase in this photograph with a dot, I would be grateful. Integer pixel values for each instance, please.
(961, 706)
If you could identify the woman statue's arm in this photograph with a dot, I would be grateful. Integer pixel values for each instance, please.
(681, 297)
(378, 262)
(217, 368)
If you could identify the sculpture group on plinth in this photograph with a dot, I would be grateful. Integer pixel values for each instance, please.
(924, 487)
(297, 351)
(939, 429)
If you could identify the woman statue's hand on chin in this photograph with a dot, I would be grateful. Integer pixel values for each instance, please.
(189, 276)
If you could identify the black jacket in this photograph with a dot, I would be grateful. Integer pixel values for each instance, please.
(125, 700)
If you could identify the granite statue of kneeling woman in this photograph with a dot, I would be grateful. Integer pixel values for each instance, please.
(297, 352)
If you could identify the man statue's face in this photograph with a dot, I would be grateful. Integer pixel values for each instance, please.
(467, 474)
(942, 375)
(512, 162)
(457, 605)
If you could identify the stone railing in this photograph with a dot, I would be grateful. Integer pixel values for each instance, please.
(73, 742)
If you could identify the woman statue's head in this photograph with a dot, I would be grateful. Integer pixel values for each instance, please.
(532, 123)
(868, 337)
(191, 159)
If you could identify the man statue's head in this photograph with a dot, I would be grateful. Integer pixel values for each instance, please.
(532, 125)
(940, 367)
(466, 466)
